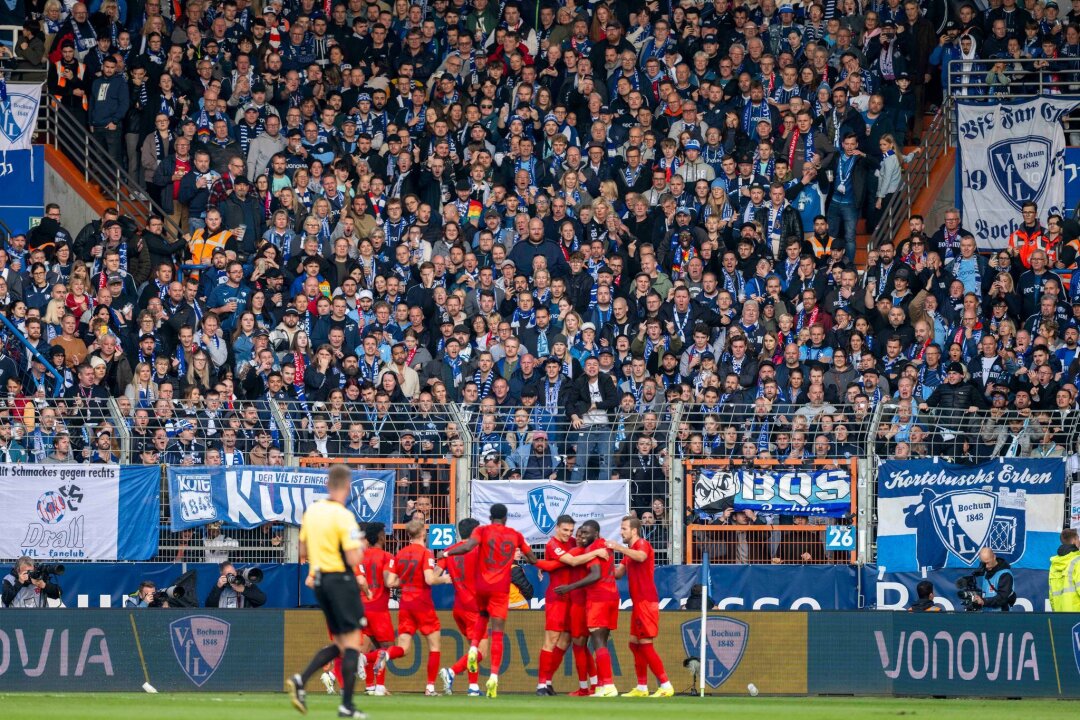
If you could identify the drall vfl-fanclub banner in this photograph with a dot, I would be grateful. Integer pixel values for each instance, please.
(79, 512)
(1010, 154)
(934, 514)
(248, 496)
(533, 507)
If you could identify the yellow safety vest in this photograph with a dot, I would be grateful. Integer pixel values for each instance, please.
(1065, 582)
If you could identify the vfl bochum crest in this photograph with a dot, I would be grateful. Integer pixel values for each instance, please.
(199, 643)
(961, 522)
(1019, 168)
(18, 115)
(546, 504)
(368, 496)
(725, 644)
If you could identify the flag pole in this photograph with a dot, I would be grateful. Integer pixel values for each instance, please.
(704, 610)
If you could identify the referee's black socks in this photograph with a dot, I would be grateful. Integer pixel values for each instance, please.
(349, 663)
(324, 656)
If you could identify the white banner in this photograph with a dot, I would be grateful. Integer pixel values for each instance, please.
(18, 115)
(58, 512)
(534, 505)
(1010, 154)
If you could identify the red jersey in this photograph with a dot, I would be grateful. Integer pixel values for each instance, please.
(640, 575)
(462, 569)
(411, 561)
(497, 544)
(604, 589)
(553, 551)
(375, 564)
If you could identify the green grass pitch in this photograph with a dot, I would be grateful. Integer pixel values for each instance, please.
(265, 706)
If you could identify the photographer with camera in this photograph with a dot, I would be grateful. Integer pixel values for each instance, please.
(995, 584)
(237, 589)
(30, 586)
(148, 595)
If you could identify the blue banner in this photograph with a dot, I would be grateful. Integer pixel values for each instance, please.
(896, 591)
(934, 514)
(1072, 179)
(138, 529)
(821, 493)
(247, 496)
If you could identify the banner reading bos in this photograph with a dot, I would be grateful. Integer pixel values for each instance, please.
(248, 496)
(934, 514)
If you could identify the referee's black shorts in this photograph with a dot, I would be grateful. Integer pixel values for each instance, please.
(339, 597)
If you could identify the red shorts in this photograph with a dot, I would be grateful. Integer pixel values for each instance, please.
(493, 604)
(602, 614)
(422, 620)
(466, 620)
(380, 626)
(645, 620)
(579, 627)
(557, 616)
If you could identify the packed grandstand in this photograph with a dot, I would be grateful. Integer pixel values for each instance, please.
(533, 241)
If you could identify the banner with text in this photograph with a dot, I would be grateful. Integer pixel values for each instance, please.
(934, 514)
(818, 492)
(1010, 154)
(79, 512)
(534, 506)
(248, 496)
(18, 115)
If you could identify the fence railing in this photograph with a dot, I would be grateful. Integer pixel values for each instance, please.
(58, 127)
(995, 79)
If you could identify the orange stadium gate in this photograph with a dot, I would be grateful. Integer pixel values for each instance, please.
(427, 485)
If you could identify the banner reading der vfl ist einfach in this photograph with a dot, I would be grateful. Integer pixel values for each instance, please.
(249, 495)
(54, 513)
(534, 506)
(1010, 154)
(934, 514)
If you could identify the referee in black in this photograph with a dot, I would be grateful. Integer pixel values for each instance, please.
(330, 544)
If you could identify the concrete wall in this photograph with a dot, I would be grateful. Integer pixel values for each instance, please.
(76, 210)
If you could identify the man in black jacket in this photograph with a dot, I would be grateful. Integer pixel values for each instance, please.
(594, 397)
(236, 594)
(22, 591)
(846, 181)
(996, 582)
(239, 210)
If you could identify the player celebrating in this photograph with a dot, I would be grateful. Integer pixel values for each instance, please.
(601, 604)
(377, 575)
(498, 546)
(330, 544)
(638, 567)
(564, 560)
(416, 573)
(462, 570)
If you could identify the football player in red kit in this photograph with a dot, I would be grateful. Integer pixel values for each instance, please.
(376, 576)
(564, 559)
(417, 573)
(601, 604)
(462, 570)
(498, 545)
(638, 567)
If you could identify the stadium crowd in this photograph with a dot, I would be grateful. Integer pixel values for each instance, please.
(565, 218)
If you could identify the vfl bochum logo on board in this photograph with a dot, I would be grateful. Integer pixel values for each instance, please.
(725, 644)
(18, 115)
(368, 496)
(199, 643)
(546, 504)
(1076, 645)
(1019, 167)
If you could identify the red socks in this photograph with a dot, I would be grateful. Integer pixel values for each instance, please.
(557, 656)
(496, 651)
(433, 666)
(603, 667)
(655, 663)
(582, 660)
(543, 667)
(641, 665)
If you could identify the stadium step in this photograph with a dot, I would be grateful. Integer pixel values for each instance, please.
(71, 176)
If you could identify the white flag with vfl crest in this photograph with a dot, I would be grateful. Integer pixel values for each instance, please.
(1010, 154)
(18, 115)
